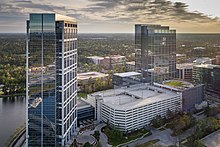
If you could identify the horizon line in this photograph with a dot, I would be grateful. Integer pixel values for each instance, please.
(118, 33)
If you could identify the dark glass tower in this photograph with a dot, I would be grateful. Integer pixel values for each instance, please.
(51, 79)
(155, 47)
(209, 75)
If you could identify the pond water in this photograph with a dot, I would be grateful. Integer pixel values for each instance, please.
(12, 116)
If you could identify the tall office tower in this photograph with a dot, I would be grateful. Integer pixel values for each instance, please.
(155, 47)
(51, 79)
(209, 75)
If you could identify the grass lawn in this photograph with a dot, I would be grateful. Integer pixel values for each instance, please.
(149, 143)
(115, 137)
(175, 83)
(83, 95)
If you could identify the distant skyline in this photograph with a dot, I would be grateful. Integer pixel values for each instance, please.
(117, 16)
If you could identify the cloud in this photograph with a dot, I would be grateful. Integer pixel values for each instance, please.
(9, 9)
(23, 1)
(43, 7)
(146, 10)
(107, 12)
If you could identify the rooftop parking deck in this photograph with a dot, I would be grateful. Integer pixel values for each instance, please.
(136, 96)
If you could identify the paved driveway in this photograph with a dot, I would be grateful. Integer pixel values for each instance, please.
(165, 138)
(212, 140)
(103, 138)
(87, 135)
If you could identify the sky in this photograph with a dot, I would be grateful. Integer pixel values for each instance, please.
(117, 16)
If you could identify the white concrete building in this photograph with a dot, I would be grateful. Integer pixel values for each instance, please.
(90, 75)
(130, 66)
(203, 60)
(126, 79)
(184, 71)
(132, 108)
(96, 59)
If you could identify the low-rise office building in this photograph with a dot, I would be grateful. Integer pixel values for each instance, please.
(126, 79)
(96, 59)
(89, 81)
(216, 61)
(112, 61)
(181, 58)
(130, 66)
(109, 62)
(83, 78)
(184, 71)
(84, 112)
(203, 60)
(199, 51)
(132, 108)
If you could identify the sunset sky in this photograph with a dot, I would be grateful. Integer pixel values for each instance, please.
(117, 16)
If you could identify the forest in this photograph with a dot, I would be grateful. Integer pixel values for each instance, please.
(12, 64)
(12, 53)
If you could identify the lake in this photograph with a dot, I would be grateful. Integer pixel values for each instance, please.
(12, 116)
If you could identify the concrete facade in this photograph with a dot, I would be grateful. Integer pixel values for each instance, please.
(132, 108)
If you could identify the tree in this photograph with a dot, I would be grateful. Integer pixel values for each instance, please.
(203, 128)
(97, 135)
(98, 84)
(118, 135)
(212, 111)
(86, 67)
(87, 144)
(198, 143)
(212, 124)
(13, 78)
(187, 119)
(88, 86)
(171, 114)
(109, 81)
(74, 143)
(99, 144)
(158, 121)
(182, 122)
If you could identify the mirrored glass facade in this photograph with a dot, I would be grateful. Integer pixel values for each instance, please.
(209, 75)
(51, 79)
(155, 48)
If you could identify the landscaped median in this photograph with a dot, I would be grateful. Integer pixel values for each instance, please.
(116, 137)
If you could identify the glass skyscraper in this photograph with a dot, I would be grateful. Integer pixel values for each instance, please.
(155, 48)
(209, 75)
(51, 79)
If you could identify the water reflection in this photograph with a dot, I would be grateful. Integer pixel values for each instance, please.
(12, 100)
(12, 116)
